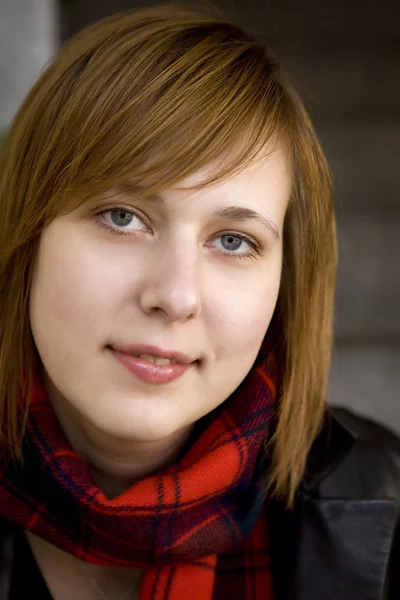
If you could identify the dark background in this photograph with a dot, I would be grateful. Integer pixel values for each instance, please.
(345, 58)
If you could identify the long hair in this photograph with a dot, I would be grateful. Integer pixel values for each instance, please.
(149, 97)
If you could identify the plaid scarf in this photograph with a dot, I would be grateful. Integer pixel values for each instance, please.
(197, 530)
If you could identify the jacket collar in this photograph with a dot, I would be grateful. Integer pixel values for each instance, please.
(330, 447)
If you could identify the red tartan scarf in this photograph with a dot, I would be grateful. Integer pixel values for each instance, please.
(197, 530)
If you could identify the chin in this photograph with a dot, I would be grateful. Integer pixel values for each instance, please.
(138, 427)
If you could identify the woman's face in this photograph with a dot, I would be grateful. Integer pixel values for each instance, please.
(191, 276)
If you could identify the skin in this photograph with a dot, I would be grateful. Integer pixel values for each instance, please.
(171, 280)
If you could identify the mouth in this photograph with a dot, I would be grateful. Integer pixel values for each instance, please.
(154, 354)
(152, 364)
(156, 360)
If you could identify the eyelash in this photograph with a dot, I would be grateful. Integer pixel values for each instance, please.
(257, 251)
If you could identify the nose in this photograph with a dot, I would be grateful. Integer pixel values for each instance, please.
(172, 284)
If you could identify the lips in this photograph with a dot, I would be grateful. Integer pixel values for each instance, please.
(154, 351)
(152, 364)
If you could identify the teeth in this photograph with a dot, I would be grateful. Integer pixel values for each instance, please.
(156, 360)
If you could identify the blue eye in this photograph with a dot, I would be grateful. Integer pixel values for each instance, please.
(121, 221)
(121, 217)
(231, 242)
(235, 245)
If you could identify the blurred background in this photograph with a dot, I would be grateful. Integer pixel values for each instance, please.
(345, 57)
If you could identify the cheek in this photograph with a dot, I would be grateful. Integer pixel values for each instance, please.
(71, 293)
(243, 312)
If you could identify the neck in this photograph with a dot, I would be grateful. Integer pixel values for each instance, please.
(116, 464)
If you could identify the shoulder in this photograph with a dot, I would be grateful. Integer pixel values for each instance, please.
(369, 430)
(345, 521)
(362, 458)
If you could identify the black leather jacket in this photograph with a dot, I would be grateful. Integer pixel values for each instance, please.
(342, 540)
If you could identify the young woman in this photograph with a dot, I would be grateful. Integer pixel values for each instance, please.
(167, 266)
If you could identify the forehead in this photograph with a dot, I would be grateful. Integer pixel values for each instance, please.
(270, 165)
(267, 173)
(260, 190)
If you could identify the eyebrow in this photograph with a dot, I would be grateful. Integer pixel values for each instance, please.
(231, 213)
(240, 213)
